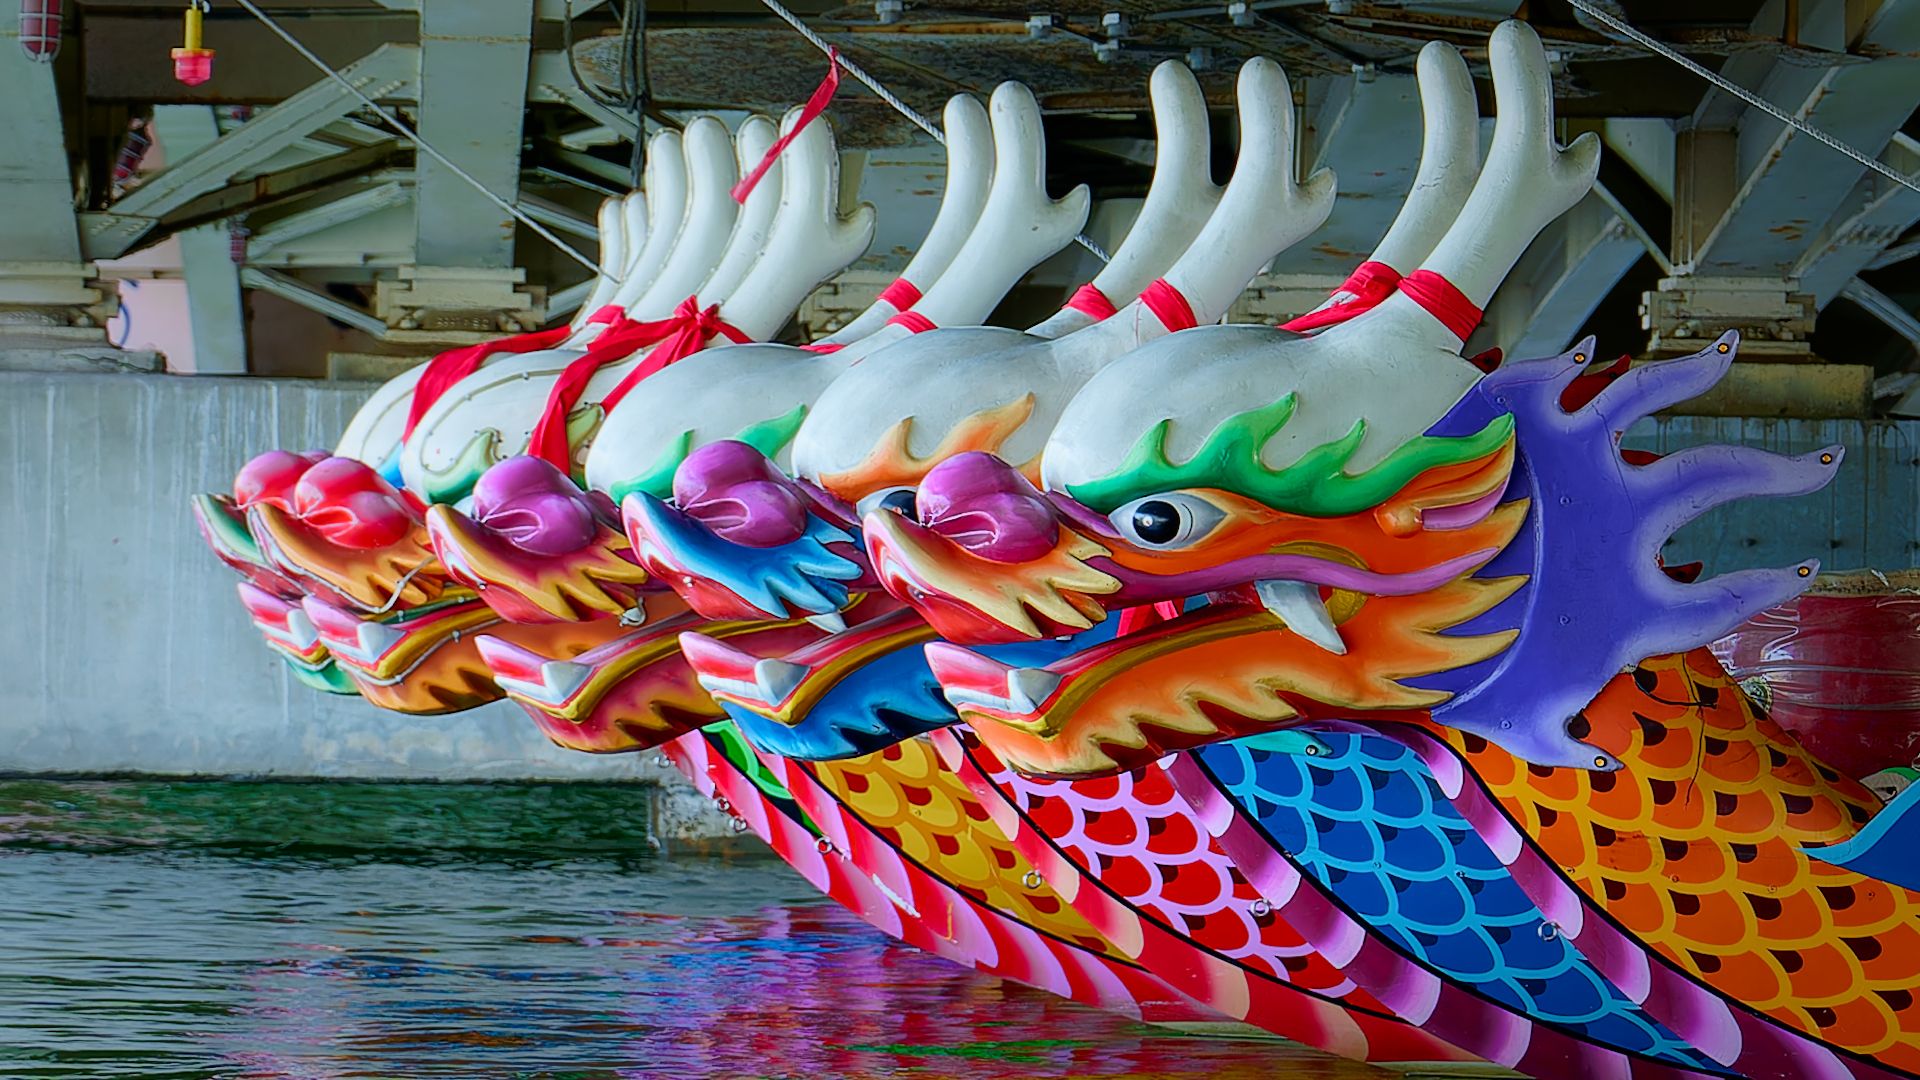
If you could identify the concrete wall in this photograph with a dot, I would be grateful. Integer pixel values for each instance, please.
(123, 647)
(122, 643)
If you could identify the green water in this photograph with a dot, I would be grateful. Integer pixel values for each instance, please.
(399, 930)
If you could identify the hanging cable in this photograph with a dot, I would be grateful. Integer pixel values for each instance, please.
(1748, 96)
(425, 147)
(892, 99)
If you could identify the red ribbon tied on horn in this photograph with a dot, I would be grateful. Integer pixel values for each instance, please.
(1440, 298)
(674, 338)
(1168, 305)
(453, 365)
(1370, 283)
(1090, 301)
(816, 104)
(900, 294)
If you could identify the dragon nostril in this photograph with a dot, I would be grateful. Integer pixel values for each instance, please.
(900, 502)
(988, 507)
(734, 490)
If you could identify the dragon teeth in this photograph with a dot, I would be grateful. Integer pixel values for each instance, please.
(1028, 687)
(775, 679)
(832, 622)
(1298, 604)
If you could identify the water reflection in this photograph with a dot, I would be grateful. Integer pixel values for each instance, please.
(144, 942)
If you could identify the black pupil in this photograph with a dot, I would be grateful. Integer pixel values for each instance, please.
(900, 502)
(1156, 522)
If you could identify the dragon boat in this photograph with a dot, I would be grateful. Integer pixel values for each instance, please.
(1313, 679)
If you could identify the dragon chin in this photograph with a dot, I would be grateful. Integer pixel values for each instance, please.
(1222, 671)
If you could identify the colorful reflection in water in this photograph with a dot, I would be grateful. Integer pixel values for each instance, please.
(275, 930)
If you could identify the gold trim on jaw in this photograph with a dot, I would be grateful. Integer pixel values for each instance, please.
(1113, 702)
(821, 680)
(606, 676)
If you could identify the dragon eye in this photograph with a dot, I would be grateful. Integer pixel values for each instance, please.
(899, 500)
(1171, 520)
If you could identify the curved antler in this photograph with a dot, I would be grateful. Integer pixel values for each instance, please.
(612, 228)
(755, 219)
(969, 173)
(1264, 210)
(1526, 183)
(709, 220)
(810, 240)
(1020, 225)
(1180, 198)
(1449, 159)
(665, 188)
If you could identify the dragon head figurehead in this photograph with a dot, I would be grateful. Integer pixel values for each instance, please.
(1373, 527)
(1491, 572)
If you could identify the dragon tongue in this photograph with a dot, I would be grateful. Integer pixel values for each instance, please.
(1298, 604)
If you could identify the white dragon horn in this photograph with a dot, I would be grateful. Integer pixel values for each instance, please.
(1180, 198)
(1264, 210)
(1449, 159)
(665, 192)
(1020, 225)
(612, 228)
(708, 220)
(810, 240)
(755, 220)
(969, 173)
(1526, 183)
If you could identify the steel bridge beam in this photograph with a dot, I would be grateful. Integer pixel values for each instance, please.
(1760, 189)
(474, 57)
(214, 305)
(391, 71)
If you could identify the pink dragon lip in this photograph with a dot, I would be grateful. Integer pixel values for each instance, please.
(630, 693)
(737, 492)
(385, 652)
(783, 685)
(284, 623)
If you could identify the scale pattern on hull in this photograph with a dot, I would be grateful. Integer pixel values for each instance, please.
(1368, 823)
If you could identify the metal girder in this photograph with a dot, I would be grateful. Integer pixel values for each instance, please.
(1773, 187)
(214, 304)
(1876, 212)
(35, 187)
(1368, 132)
(299, 292)
(1564, 274)
(559, 218)
(549, 81)
(475, 58)
(568, 300)
(1886, 309)
(327, 215)
(389, 71)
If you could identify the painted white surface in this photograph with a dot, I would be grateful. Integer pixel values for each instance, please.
(122, 644)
